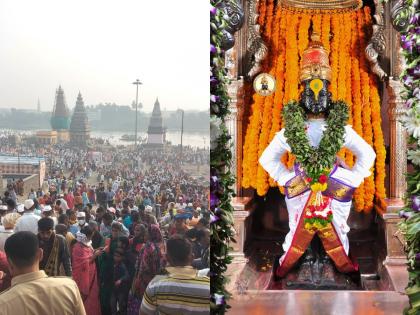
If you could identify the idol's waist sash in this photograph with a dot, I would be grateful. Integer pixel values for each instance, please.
(335, 188)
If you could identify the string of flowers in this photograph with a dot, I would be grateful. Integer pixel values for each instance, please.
(221, 179)
(350, 27)
(359, 200)
(278, 94)
(272, 32)
(359, 92)
(410, 43)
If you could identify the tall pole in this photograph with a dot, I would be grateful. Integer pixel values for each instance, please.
(137, 83)
(182, 128)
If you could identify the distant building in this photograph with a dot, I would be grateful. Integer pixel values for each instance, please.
(25, 167)
(79, 126)
(156, 133)
(48, 137)
(60, 119)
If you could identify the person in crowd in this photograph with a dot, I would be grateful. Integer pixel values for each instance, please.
(192, 236)
(5, 276)
(202, 224)
(78, 200)
(179, 226)
(69, 198)
(195, 218)
(106, 263)
(203, 238)
(73, 224)
(28, 221)
(99, 214)
(32, 291)
(150, 262)
(106, 225)
(110, 197)
(32, 194)
(121, 278)
(9, 222)
(3, 212)
(97, 239)
(135, 220)
(55, 249)
(85, 199)
(81, 220)
(182, 291)
(48, 212)
(147, 216)
(84, 270)
(11, 193)
(101, 197)
(11, 205)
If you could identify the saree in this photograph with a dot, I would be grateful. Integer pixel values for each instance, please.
(85, 275)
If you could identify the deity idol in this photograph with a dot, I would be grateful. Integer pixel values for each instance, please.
(319, 188)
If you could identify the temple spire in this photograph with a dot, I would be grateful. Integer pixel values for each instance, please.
(60, 119)
(79, 126)
(156, 131)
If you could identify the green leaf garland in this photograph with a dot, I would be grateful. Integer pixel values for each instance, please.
(315, 161)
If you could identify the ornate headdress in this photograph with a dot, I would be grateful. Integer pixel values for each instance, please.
(315, 63)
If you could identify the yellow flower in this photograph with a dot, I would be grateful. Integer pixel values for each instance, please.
(319, 187)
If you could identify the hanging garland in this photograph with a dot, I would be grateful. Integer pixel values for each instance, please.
(315, 161)
(410, 43)
(221, 179)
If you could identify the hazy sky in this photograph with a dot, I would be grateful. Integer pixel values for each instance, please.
(100, 47)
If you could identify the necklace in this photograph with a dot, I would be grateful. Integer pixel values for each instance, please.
(316, 162)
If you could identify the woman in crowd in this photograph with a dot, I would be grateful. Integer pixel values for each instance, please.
(106, 265)
(84, 270)
(149, 263)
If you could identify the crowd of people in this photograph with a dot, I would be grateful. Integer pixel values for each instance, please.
(135, 242)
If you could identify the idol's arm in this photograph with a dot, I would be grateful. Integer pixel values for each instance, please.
(270, 159)
(365, 157)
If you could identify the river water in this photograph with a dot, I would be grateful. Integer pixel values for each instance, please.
(200, 140)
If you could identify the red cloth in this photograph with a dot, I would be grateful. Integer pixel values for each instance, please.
(4, 266)
(70, 200)
(86, 277)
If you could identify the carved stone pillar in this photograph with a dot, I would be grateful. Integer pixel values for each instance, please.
(242, 206)
(398, 142)
(394, 240)
(234, 124)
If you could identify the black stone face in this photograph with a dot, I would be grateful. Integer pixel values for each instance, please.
(310, 103)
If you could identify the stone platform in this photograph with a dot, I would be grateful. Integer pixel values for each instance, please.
(297, 302)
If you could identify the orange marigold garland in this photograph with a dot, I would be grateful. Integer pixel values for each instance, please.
(335, 28)
(293, 77)
(262, 176)
(350, 28)
(325, 31)
(359, 200)
(278, 96)
(366, 113)
(378, 140)
(262, 9)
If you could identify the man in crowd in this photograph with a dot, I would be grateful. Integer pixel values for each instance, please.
(180, 292)
(29, 220)
(32, 292)
(55, 249)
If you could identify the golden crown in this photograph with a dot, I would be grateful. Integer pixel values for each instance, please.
(315, 62)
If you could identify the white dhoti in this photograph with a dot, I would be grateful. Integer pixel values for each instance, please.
(297, 238)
